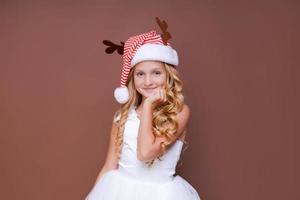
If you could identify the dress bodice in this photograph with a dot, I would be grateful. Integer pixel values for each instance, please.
(161, 170)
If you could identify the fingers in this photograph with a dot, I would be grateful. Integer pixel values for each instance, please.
(162, 95)
(158, 97)
(165, 96)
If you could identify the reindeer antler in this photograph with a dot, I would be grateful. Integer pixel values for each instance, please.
(113, 47)
(120, 48)
(165, 34)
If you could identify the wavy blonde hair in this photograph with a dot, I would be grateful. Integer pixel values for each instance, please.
(164, 115)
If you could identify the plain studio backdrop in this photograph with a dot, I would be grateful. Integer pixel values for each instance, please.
(239, 61)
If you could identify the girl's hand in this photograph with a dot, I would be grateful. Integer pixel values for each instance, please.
(158, 97)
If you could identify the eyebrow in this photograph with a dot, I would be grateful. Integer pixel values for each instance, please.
(157, 68)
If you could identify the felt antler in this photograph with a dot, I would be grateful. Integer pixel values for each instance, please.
(165, 34)
(113, 47)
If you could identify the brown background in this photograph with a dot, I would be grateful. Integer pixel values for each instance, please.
(239, 63)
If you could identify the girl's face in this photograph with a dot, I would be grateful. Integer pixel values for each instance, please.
(149, 76)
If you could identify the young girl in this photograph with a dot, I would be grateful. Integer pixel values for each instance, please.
(148, 131)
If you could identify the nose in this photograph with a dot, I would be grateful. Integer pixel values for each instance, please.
(148, 80)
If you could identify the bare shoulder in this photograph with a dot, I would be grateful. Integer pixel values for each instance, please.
(117, 116)
(183, 118)
(184, 114)
(115, 122)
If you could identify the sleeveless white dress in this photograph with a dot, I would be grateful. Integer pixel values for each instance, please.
(135, 180)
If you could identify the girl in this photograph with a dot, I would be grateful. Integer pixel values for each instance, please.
(148, 131)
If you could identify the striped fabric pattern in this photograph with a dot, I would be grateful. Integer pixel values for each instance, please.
(130, 48)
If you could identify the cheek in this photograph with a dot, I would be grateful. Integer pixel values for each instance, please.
(137, 84)
(162, 80)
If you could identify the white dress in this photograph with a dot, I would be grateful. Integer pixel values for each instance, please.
(135, 180)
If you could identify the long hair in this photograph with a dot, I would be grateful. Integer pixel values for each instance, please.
(164, 121)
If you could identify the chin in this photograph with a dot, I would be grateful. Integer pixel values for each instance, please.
(146, 95)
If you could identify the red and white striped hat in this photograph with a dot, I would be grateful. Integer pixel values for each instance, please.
(147, 46)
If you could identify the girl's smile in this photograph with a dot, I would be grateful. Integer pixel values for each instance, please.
(149, 89)
(149, 76)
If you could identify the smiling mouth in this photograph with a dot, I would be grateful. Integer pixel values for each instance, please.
(149, 89)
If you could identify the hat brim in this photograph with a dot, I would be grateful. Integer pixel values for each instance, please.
(155, 52)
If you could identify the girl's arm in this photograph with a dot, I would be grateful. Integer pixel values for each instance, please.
(149, 146)
(111, 161)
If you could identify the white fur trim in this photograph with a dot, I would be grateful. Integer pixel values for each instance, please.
(121, 94)
(156, 52)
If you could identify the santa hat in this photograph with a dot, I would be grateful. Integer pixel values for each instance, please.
(144, 47)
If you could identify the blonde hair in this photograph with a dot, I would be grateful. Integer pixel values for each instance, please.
(163, 114)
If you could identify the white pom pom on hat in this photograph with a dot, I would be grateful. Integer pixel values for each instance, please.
(121, 94)
(143, 47)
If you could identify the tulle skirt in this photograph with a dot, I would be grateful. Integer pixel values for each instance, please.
(114, 185)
